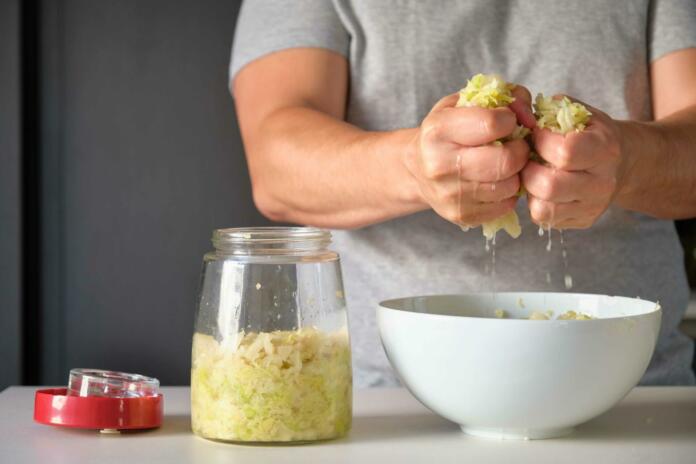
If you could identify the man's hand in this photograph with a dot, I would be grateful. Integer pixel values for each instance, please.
(462, 175)
(582, 174)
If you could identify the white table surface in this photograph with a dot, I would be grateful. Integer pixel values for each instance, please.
(651, 425)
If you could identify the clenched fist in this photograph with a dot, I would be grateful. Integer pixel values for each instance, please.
(581, 176)
(462, 174)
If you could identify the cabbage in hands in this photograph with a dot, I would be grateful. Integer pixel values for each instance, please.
(560, 115)
(272, 386)
(486, 91)
(491, 91)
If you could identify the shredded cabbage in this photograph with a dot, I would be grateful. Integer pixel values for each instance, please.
(486, 91)
(509, 222)
(547, 315)
(573, 316)
(561, 115)
(492, 91)
(272, 386)
(567, 316)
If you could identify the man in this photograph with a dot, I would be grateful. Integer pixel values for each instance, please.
(341, 108)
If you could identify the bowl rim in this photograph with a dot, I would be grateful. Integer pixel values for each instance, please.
(389, 304)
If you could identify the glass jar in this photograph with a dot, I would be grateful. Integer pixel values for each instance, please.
(271, 353)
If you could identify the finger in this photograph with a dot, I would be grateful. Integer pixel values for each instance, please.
(547, 213)
(472, 193)
(574, 151)
(522, 106)
(551, 184)
(490, 163)
(448, 101)
(469, 126)
(490, 192)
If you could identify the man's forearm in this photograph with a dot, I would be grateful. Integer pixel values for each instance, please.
(660, 177)
(311, 168)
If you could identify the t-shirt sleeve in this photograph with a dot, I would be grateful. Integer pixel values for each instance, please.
(672, 26)
(266, 26)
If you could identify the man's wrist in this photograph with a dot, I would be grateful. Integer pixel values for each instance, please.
(409, 190)
(642, 144)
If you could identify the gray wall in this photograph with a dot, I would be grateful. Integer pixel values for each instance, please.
(9, 194)
(141, 160)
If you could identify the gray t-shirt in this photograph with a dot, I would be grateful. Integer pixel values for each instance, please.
(404, 56)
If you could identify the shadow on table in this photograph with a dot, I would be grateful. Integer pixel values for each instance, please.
(672, 421)
(370, 428)
(175, 425)
(381, 428)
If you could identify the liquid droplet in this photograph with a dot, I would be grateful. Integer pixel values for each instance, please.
(459, 186)
(568, 280)
(488, 245)
(541, 231)
(465, 228)
(498, 169)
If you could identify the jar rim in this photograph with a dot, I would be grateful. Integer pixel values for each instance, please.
(273, 237)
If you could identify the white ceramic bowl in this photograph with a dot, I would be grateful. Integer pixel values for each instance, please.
(514, 378)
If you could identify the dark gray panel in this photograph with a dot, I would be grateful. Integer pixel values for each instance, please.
(52, 359)
(10, 328)
(149, 162)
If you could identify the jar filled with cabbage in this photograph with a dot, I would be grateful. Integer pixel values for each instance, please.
(271, 354)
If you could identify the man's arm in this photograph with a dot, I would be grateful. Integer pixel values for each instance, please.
(661, 167)
(308, 166)
(649, 167)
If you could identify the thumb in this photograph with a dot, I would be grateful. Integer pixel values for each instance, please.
(522, 106)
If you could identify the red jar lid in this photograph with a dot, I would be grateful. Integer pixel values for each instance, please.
(54, 406)
(106, 400)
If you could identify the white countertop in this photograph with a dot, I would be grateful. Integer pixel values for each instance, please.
(652, 424)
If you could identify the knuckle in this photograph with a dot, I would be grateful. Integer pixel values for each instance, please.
(504, 163)
(565, 155)
(614, 148)
(536, 210)
(514, 185)
(431, 130)
(521, 149)
(450, 195)
(487, 123)
(442, 194)
(493, 122)
(432, 166)
(548, 187)
(456, 216)
(509, 204)
(511, 162)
